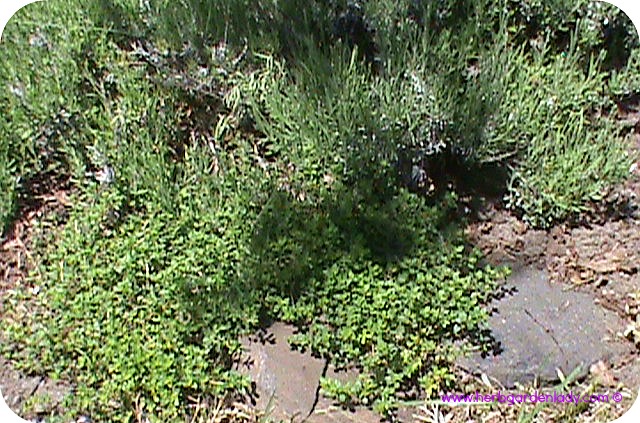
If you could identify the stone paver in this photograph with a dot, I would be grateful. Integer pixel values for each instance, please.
(542, 327)
(286, 380)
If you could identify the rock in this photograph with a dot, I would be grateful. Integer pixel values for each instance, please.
(601, 371)
(287, 381)
(543, 327)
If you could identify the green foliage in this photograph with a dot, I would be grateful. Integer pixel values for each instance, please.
(40, 117)
(148, 311)
(215, 190)
(371, 272)
(7, 185)
(141, 298)
(563, 176)
(563, 157)
(626, 82)
(364, 129)
(384, 286)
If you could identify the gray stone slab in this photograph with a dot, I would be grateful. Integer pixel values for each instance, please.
(286, 381)
(542, 327)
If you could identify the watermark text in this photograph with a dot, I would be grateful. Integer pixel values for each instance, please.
(512, 399)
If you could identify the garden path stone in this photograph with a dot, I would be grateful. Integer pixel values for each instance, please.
(287, 382)
(542, 326)
(17, 389)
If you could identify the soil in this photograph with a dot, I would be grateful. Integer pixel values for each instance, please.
(19, 389)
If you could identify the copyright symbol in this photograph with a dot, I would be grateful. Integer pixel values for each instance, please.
(617, 397)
